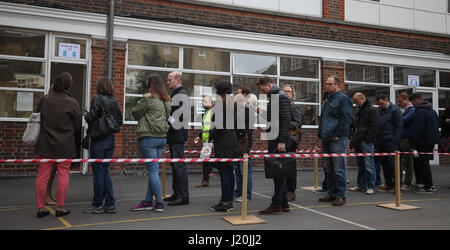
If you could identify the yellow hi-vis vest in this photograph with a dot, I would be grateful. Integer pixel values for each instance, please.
(206, 125)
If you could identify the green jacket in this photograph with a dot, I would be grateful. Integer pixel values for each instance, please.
(152, 115)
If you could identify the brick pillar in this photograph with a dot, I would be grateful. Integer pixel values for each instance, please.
(334, 9)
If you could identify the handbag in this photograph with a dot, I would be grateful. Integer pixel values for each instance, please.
(31, 134)
(104, 125)
(277, 168)
(295, 135)
(206, 150)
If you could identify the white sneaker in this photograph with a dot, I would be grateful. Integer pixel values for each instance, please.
(356, 189)
(370, 191)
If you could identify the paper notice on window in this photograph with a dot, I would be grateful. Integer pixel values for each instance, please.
(413, 80)
(25, 101)
(69, 50)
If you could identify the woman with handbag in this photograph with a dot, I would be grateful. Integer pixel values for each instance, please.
(152, 113)
(103, 108)
(60, 125)
(295, 135)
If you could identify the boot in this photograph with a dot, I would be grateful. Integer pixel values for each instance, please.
(203, 184)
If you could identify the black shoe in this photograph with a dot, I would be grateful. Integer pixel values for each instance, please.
(171, 198)
(178, 202)
(41, 214)
(285, 208)
(223, 206)
(62, 213)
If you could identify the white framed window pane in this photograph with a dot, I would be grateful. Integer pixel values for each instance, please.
(310, 114)
(22, 74)
(444, 79)
(136, 80)
(255, 64)
(206, 59)
(201, 84)
(444, 99)
(304, 91)
(18, 104)
(248, 82)
(366, 73)
(21, 43)
(145, 54)
(427, 78)
(370, 92)
(70, 48)
(299, 67)
(130, 103)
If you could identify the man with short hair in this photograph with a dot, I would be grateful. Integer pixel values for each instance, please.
(425, 135)
(334, 129)
(176, 139)
(281, 143)
(363, 139)
(388, 138)
(406, 161)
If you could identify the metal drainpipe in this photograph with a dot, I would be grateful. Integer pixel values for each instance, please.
(110, 38)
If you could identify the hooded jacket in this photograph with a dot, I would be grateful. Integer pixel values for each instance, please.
(426, 126)
(366, 125)
(391, 124)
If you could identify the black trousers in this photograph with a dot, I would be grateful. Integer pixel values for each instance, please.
(422, 168)
(179, 172)
(279, 197)
(387, 162)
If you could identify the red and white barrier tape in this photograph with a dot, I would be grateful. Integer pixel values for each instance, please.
(251, 151)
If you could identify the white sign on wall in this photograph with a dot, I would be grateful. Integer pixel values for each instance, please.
(24, 101)
(413, 80)
(69, 50)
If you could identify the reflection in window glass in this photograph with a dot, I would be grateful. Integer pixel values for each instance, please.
(19, 43)
(145, 54)
(255, 64)
(304, 91)
(206, 59)
(444, 79)
(201, 84)
(18, 104)
(62, 45)
(444, 99)
(427, 78)
(136, 80)
(299, 67)
(310, 114)
(22, 74)
(366, 73)
(248, 82)
(130, 103)
(370, 92)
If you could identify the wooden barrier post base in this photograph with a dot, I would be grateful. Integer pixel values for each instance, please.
(311, 188)
(394, 206)
(237, 220)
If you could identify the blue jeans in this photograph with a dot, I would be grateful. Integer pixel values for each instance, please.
(102, 148)
(335, 167)
(152, 147)
(238, 170)
(366, 166)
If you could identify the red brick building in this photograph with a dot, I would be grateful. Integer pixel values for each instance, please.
(373, 46)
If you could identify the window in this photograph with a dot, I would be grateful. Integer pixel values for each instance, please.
(22, 79)
(366, 73)
(202, 68)
(70, 48)
(370, 91)
(427, 78)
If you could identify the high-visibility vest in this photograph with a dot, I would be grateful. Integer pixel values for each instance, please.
(206, 125)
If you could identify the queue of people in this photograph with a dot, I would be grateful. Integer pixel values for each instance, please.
(411, 126)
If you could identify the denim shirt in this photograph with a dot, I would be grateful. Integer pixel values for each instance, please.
(335, 117)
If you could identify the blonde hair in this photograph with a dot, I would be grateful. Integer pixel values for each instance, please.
(292, 88)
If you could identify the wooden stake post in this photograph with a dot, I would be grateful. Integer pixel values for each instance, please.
(244, 219)
(316, 175)
(397, 205)
(163, 180)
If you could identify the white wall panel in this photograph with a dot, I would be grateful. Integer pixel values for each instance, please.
(302, 7)
(432, 22)
(448, 24)
(397, 17)
(271, 5)
(432, 5)
(399, 3)
(362, 12)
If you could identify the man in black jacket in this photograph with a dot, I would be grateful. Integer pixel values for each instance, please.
(363, 139)
(388, 139)
(281, 143)
(425, 136)
(176, 138)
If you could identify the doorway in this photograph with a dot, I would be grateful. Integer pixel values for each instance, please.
(78, 72)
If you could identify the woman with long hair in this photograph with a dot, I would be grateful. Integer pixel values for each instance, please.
(102, 147)
(152, 113)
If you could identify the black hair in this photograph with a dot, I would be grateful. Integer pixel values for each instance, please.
(224, 87)
(63, 82)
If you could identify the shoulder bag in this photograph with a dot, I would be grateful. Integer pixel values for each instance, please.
(104, 125)
(31, 134)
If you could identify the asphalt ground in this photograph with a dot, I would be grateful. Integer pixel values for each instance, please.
(18, 209)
